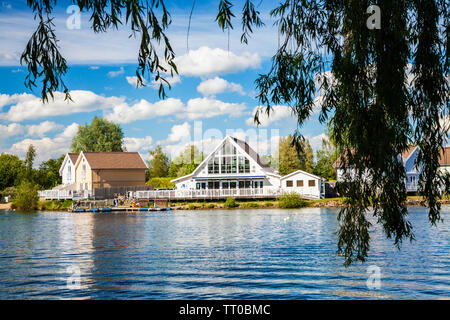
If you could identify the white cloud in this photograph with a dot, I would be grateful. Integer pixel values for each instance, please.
(27, 106)
(42, 128)
(195, 109)
(276, 114)
(141, 145)
(316, 141)
(10, 130)
(207, 108)
(172, 80)
(179, 133)
(94, 67)
(207, 62)
(47, 148)
(113, 74)
(217, 85)
(133, 81)
(124, 113)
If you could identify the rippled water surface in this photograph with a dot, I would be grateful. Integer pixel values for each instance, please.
(230, 254)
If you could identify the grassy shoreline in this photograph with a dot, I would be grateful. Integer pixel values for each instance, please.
(56, 205)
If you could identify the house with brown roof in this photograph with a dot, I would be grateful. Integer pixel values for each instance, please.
(109, 169)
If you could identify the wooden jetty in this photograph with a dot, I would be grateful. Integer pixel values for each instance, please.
(119, 209)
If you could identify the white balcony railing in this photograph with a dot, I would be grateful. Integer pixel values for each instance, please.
(177, 194)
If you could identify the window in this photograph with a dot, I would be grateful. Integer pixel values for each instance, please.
(224, 185)
(86, 186)
(299, 183)
(81, 186)
(241, 165)
(311, 183)
(289, 183)
(233, 165)
(216, 164)
(247, 166)
(211, 165)
(232, 185)
(83, 171)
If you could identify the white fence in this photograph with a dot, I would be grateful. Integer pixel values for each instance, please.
(62, 195)
(176, 194)
(213, 193)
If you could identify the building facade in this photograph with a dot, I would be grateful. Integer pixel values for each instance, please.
(304, 183)
(109, 169)
(232, 165)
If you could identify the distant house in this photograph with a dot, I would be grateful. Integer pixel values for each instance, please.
(304, 183)
(408, 157)
(67, 170)
(444, 161)
(109, 169)
(233, 164)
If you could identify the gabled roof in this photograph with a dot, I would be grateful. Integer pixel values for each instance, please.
(73, 157)
(300, 171)
(253, 154)
(69, 156)
(114, 160)
(245, 147)
(444, 159)
(407, 153)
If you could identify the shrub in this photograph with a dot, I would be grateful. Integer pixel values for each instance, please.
(192, 206)
(291, 200)
(250, 205)
(211, 205)
(160, 183)
(268, 204)
(230, 203)
(26, 197)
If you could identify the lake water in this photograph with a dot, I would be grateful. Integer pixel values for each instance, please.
(217, 254)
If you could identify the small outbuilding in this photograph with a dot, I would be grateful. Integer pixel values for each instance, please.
(303, 183)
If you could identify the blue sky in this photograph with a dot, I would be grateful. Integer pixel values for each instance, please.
(214, 93)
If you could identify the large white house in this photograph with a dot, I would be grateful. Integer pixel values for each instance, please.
(234, 166)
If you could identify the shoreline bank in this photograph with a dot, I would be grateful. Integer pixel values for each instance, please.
(257, 204)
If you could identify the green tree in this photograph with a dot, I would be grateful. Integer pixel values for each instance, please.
(11, 168)
(100, 136)
(158, 165)
(48, 174)
(374, 110)
(26, 197)
(291, 159)
(186, 162)
(28, 172)
(325, 158)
